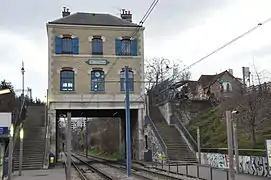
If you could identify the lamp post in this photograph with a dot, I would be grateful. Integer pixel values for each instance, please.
(21, 150)
(5, 91)
(10, 149)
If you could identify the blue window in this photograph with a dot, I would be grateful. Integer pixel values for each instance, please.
(130, 79)
(67, 80)
(97, 46)
(66, 45)
(97, 81)
(126, 47)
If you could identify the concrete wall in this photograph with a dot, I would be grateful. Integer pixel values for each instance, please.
(153, 144)
(166, 111)
(253, 165)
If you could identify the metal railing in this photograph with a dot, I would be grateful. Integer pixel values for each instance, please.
(157, 134)
(197, 171)
(185, 132)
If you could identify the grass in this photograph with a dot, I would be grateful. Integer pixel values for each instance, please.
(214, 135)
(113, 156)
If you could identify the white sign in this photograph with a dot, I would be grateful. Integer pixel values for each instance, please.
(5, 119)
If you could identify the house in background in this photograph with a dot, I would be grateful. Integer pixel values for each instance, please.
(220, 86)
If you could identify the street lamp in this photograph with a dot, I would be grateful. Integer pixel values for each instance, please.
(11, 133)
(5, 91)
(21, 150)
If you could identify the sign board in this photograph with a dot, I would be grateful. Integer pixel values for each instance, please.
(268, 154)
(97, 62)
(5, 122)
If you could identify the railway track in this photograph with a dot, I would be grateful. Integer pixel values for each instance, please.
(137, 172)
(94, 169)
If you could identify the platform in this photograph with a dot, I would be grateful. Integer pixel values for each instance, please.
(57, 174)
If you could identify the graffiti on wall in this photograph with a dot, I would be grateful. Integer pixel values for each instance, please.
(153, 144)
(253, 165)
(215, 160)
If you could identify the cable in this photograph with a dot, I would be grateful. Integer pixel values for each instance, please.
(146, 15)
(220, 48)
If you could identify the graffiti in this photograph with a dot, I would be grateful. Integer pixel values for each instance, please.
(253, 165)
(215, 160)
(153, 144)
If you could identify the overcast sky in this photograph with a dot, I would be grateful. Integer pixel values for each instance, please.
(185, 30)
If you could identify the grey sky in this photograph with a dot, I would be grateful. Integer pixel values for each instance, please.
(186, 30)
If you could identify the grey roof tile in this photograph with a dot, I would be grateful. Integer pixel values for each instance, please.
(94, 19)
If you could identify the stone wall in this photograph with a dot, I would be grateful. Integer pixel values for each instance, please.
(153, 143)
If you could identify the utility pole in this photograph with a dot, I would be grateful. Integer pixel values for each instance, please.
(236, 151)
(69, 146)
(87, 145)
(23, 71)
(230, 144)
(128, 133)
(198, 142)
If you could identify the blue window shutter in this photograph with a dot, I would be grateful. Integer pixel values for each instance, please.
(58, 45)
(75, 45)
(134, 47)
(118, 47)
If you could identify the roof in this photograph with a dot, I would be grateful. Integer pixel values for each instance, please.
(94, 19)
(192, 85)
(208, 80)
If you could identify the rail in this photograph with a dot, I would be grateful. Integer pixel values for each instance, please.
(157, 134)
(46, 151)
(149, 121)
(243, 152)
(185, 132)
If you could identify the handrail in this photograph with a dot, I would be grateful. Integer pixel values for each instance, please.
(156, 133)
(46, 152)
(152, 125)
(186, 133)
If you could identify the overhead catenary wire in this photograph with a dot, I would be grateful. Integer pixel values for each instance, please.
(218, 49)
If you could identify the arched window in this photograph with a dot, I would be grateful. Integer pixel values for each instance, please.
(66, 80)
(131, 80)
(97, 45)
(97, 81)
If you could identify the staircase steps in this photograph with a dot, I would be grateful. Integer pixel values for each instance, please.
(177, 148)
(34, 140)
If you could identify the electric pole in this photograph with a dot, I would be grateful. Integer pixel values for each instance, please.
(230, 143)
(69, 146)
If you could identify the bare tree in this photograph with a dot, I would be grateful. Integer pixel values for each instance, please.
(159, 69)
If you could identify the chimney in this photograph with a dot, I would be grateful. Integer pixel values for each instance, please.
(65, 12)
(126, 15)
(231, 71)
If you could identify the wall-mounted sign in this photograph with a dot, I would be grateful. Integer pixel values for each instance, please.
(97, 62)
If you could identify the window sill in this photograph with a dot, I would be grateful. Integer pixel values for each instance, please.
(67, 92)
(97, 92)
(132, 92)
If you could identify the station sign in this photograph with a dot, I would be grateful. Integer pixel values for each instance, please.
(97, 62)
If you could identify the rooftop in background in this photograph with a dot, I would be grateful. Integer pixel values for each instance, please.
(95, 19)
